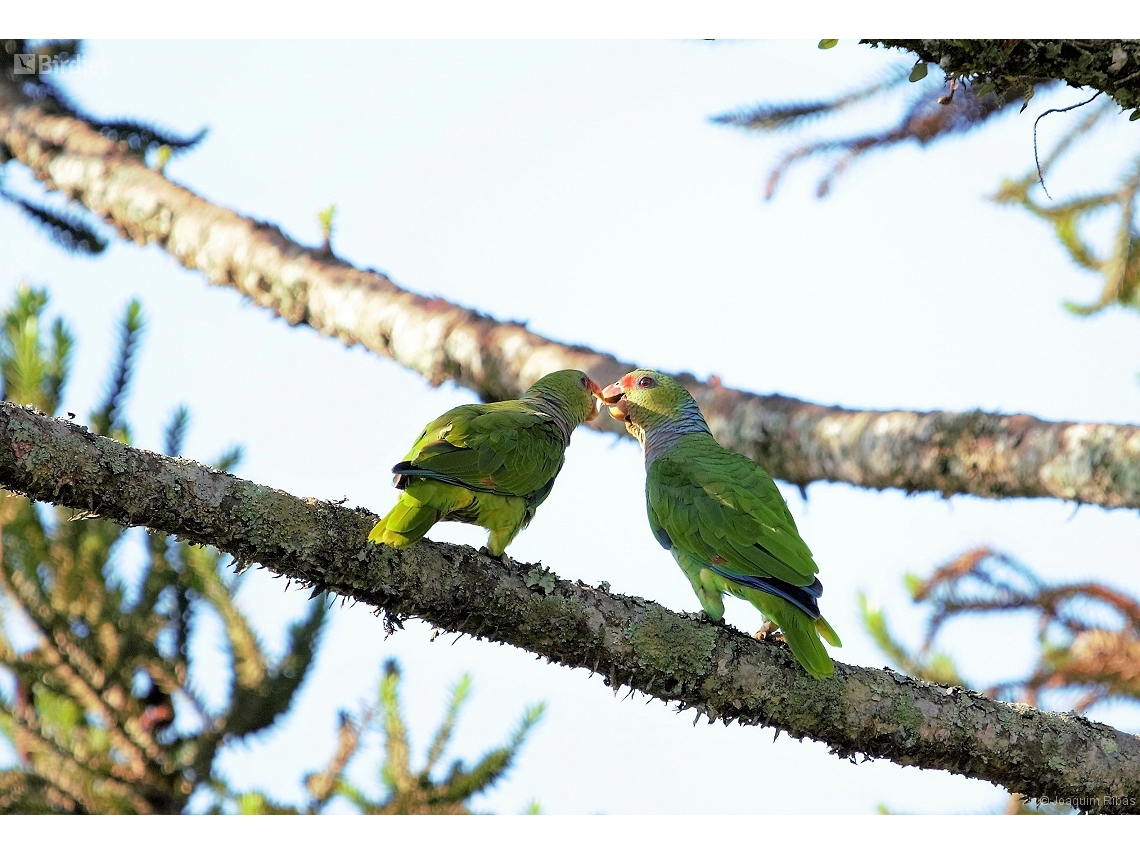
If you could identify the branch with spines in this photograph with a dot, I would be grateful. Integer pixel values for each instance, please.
(716, 670)
(1111, 66)
(983, 454)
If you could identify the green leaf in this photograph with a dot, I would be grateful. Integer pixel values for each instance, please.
(827, 44)
(326, 219)
(1028, 98)
(1135, 115)
(918, 72)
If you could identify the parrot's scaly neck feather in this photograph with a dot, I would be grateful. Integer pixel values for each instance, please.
(660, 433)
(556, 409)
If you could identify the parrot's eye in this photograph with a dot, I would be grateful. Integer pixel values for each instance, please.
(646, 383)
(583, 381)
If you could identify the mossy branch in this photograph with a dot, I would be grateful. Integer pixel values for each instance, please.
(983, 454)
(1111, 66)
(719, 672)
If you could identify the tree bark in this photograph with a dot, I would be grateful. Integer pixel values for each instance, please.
(983, 454)
(716, 670)
(1111, 66)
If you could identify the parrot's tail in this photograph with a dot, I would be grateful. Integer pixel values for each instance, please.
(801, 631)
(406, 523)
(803, 638)
(423, 503)
(825, 630)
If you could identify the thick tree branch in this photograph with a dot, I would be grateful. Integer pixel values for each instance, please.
(630, 641)
(1111, 66)
(983, 454)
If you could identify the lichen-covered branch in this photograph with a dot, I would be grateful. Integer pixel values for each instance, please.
(1111, 66)
(716, 670)
(983, 454)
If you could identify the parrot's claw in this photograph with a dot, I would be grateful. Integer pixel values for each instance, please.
(703, 617)
(504, 559)
(766, 630)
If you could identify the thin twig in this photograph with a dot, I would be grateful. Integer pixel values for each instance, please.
(1040, 174)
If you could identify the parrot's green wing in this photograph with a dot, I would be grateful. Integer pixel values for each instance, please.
(726, 512)
(507, 448)
(730, 531)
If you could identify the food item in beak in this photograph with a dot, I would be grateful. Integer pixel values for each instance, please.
(620, 410)
(612, 393)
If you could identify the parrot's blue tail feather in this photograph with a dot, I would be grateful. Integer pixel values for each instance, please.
(404, 470)
(803, 598)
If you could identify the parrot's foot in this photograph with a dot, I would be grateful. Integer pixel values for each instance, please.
(767, 629)
(504, 559)
(703, 617)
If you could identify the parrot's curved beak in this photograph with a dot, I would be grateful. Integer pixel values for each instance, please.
(596, 391)
(614, 395)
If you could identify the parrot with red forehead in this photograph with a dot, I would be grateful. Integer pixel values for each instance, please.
(722, 517)
(490, 465)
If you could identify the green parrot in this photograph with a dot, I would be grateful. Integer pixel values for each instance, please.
(722, 517)
(491, 465)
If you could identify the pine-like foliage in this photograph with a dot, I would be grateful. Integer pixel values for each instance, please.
(67, 229)
(954, 105)
(100, 706)
(940, 107)
(1088, 638)
(70, 228)
(411, 792)
(38, 85)
(934, 111)
(1120, 265)
(406, 791)
(101, 709)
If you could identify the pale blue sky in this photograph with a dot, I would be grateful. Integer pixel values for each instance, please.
(579, 186)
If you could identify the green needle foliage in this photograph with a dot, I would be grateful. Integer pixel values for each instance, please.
(957, 102)
(406, 791)
(99, 704)
(418, 792)
(1120, 265)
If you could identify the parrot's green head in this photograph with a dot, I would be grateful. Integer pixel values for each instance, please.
(575, 394)
(653, 406)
